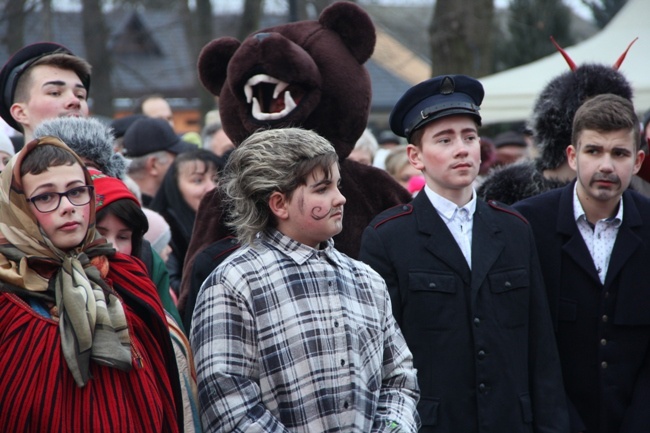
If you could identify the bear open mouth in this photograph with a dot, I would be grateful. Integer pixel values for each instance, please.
(271, 98)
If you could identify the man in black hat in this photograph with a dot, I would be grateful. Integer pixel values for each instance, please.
(464, 279)
(152, 146)
(510, 147)
(42, 81)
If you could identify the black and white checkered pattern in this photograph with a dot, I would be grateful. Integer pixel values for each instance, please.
(291, 338)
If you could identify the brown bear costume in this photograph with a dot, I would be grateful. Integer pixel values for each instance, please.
(308, 74)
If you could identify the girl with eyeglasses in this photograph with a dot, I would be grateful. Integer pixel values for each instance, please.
(84, 343)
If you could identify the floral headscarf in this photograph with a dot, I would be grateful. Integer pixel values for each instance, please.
(92, 321)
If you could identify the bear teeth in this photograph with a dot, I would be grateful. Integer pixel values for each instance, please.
(280, 87)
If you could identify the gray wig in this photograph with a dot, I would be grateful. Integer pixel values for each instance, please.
(268, 161)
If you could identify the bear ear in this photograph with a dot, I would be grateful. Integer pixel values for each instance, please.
(213, 63)
(353, 25)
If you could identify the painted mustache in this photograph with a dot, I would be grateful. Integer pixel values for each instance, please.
(318, 214)
(599, 177)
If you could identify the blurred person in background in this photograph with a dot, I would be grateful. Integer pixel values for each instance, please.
(190, 177)
(398, 166)
(6, 150)
(151, 145)
(155, 106)
(365, 148)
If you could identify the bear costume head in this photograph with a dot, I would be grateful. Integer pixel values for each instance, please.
(307, 73)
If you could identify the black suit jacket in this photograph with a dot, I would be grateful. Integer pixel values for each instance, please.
(603, 330)
(482, 339)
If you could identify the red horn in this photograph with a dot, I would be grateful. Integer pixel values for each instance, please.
(571, 63)
(620, 59)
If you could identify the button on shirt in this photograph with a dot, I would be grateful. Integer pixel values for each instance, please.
(599, 238)
(293, 338)
(459, 220)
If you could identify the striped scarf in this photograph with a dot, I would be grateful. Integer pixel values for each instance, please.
(92, 321)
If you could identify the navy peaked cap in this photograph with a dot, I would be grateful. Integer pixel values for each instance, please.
(433, 99)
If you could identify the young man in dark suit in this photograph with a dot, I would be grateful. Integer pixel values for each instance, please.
(595, 253)
(464, 279)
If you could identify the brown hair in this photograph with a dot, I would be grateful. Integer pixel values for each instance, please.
(42, 157)
(67, 62)
(606, 113)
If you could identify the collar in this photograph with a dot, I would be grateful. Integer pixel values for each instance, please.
(447, 208)
(296, 251)
(579, 212)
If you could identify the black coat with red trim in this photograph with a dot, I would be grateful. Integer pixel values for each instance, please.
(482, 338)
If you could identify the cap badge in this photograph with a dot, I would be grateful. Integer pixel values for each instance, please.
(447, 86)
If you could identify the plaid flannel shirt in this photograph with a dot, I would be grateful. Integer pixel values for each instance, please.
(289, 338)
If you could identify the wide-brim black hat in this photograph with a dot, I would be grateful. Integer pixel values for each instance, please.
(14, 68)
(123, 123)
(148, 135)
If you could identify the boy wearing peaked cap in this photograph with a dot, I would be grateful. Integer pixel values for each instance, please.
(42, 81)
(464, 279)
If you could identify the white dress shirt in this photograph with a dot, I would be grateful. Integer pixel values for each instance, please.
(459, 220)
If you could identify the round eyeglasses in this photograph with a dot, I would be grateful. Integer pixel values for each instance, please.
(50, 201)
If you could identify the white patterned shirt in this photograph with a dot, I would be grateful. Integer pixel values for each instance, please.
(288, 338)
(459, 220)
(599, 238)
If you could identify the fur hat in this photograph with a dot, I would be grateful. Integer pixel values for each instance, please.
(509, 184)
(88, 138)
(556, 105)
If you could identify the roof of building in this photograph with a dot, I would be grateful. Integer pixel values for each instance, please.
(151, 55)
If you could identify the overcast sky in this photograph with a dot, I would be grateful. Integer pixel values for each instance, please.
(281, 5)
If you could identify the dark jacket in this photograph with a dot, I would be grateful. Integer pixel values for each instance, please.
(482, 339)
(603, 331)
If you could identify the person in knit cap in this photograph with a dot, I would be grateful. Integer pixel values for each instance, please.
(120, 219)
(551, 125)
(122, 222)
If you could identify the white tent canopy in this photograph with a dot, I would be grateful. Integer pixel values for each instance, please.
(510, 95)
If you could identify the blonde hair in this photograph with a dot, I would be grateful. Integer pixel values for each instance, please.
(396, 160)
